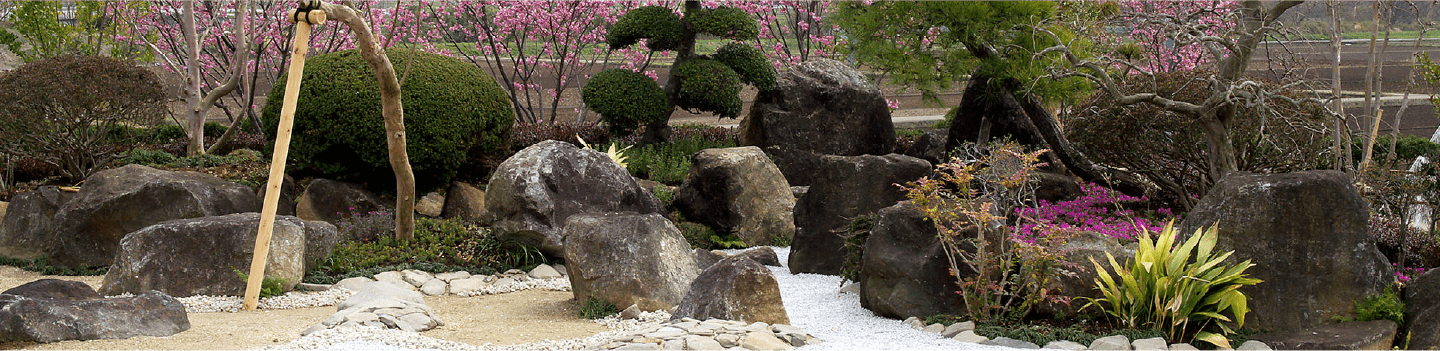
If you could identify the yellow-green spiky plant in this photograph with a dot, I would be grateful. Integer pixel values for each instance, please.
(1183, 290)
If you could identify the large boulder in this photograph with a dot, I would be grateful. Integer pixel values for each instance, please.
(1077, 252)
(848, 186)
(464, 201)
(119, 201)
(930, 147)
(905, 272)
(1367, 335)
(821, 106)
(738, 190)
(1422, 311)
(331, 201)
(288, 196)
(200, 256)
(51, 310)
(1306, 234)
(738, 289)
(27, 231)
(628, 258)
(533, 193)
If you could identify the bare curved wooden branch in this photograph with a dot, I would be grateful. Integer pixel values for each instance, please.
(393, 111)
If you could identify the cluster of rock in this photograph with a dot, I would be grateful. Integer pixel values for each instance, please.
(381, 303)
(463, 283)
(965, 332)
(50, 310)
(713, 334)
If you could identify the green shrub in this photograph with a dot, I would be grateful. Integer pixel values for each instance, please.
(215, 130)
(1386, 306)
(43, 266)
(65, 111)
(1184, 290)
(709, 85)
(855, 235)
(666, 196)
(441, 243)
(625, 99)
(165, 133)
(450, 107)
(269, 286)
(146, 157)
(594, 308)
(725, 22)
(657, 23)
(749, 63)
(1406, 149)
(669, 162)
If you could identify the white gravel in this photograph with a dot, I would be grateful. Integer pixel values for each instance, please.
(815, 305)
(811, 300)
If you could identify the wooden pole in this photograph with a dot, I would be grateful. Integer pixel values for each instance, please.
(282, 150)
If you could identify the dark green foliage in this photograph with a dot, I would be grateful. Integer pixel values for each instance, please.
(666, 196)
(625, 99)
(165, 133)
(1386, 306)
(443, 243)
(146, 157)
(669, 162)
(269, 287)
(450, 106)
(726, 22)
(1406, 149)
(43, 266)
(749, 63)
(855, 235)
(659, 24)
(594, 308)
(708, 85)
(1044, 334)
(213, 129)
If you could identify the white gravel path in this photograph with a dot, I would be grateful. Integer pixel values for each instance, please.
(811, 300)
(815, 305)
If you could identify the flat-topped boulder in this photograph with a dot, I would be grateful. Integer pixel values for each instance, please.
(200, 256)
(27, 231)
(53, 310)
(627, 258)
(116, 202)
(738, 190)
(851, 186)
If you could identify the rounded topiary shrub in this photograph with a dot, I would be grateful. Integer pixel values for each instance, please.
(450, 107)
(625, 99)
(726, 22)
(749, 63)
(659, 24)
(709, 85)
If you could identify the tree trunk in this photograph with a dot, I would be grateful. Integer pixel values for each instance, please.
(1371, 90)
(659, 131)
(1217, 142)
(391, 108)
(194, 120)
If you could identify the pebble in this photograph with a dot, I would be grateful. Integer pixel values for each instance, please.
(1151, 344)
(956, 328)
(544, 271)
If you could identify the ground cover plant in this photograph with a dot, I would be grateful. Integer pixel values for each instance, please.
(439, 245)
(1097, 210)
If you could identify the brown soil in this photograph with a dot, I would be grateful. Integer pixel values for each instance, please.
(514, 318)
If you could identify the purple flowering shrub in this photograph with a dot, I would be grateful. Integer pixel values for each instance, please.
(1405, 275)
(1098, 210)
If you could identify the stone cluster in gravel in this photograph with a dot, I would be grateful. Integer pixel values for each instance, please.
(713, 334)
(464, 284)
(381, 304)
(965, 332)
